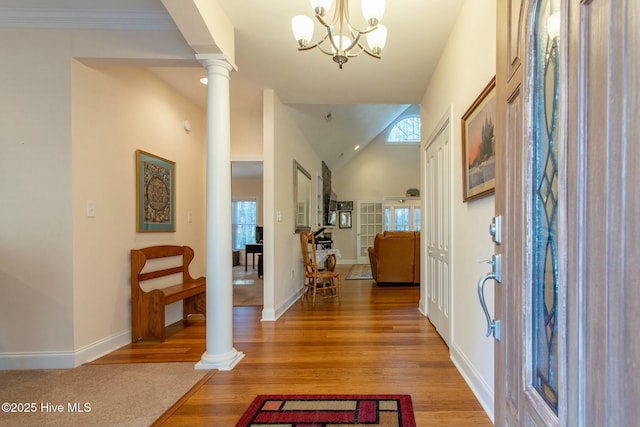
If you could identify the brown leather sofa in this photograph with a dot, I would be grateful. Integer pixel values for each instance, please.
(395, 257)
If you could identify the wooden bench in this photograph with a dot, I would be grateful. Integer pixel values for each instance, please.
(147, 307)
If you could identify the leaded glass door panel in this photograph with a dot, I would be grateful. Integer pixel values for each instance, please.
(370, 223)
(530, 195)
(568, 96)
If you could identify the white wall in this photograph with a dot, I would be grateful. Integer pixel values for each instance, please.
(283, 143)
(465, 68)
(380, 170)
(36, 247)
(64, 278)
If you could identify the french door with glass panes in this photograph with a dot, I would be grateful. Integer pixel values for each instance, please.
(402, 215)
(370, 223)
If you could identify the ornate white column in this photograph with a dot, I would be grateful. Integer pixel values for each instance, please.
(220, 353)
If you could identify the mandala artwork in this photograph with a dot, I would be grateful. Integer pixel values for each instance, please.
(157, 194)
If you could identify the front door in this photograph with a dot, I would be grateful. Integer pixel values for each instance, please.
(567, 132)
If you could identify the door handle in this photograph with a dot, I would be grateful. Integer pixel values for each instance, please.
(496, 266)
(493, 326)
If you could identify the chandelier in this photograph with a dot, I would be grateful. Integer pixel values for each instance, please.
(341, 39)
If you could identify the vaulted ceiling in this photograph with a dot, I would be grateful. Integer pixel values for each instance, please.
(362, 98)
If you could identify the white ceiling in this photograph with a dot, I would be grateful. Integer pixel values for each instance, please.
(363, 97)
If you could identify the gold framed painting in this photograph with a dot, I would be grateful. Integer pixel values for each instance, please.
(478, 145)
(155, 193)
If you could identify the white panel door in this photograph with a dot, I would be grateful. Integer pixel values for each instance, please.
(437, 227)
(370, 223)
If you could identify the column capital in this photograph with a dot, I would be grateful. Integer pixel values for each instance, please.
(216, 59)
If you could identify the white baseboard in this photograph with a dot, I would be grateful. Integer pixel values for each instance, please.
(273, 315)
(422, 308)
(268, 315)
(37, 360)
(64, 359)
(483, 391)
(104, 346)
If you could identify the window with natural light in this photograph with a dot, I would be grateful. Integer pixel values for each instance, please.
(406, 130)
(244, 220)
(398, 218)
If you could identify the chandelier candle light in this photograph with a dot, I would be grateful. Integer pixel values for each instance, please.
(342, 37)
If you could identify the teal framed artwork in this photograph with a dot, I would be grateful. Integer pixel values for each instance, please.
(155, 193)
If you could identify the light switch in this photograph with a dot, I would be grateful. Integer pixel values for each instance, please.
(279, 216)
(189, 217)
(91, 209)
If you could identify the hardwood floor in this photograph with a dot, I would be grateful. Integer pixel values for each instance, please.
(372, 341)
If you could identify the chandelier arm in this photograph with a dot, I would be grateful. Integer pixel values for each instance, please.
(331, 40)
(368, 52)
(352, 27)
(326, 52)
(365, 50)
(341, 22)
(317, 44)
(368, 30)
(323, 22)
(347, 16)
(341, 14)
(328, 34)
(353, 55)
(356, 41)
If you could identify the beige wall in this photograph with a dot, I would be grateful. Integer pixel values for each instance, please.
(249, 188)
(465, 68)
(64, 278)
(116, 111)
(246, 134)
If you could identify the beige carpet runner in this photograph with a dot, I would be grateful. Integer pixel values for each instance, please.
(94, 395)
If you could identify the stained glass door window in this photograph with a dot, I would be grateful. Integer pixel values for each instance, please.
(544, 291)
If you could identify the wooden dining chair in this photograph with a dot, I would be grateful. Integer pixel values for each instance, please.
(316, 279)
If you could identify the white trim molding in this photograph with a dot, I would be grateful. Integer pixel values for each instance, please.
(483, 391)
(64, 359)
(110, 19)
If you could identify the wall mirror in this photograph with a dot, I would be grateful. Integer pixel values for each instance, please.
(301, 198)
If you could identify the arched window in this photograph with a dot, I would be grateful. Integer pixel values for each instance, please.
(406, 130)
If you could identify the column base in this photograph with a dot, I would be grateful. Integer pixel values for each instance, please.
(222, 362)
